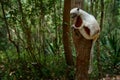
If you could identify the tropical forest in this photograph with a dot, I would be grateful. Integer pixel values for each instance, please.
(59, 39)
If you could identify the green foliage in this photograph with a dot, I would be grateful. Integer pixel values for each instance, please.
(45, 59)
(51, 67)
(110, 57)
(109, 42)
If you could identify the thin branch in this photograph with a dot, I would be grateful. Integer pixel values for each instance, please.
(9, 35)
(102, 14)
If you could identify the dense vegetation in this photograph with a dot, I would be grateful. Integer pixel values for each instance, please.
(31, 45)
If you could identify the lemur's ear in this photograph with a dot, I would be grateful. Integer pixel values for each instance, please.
(77, 9)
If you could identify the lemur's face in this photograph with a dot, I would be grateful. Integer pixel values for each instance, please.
(74, 12)
(76, 19)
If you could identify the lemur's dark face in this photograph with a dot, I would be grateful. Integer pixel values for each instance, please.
(74, 15)
(76, 19)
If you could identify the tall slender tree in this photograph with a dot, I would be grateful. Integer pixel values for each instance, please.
(66, 35)
(66, 32)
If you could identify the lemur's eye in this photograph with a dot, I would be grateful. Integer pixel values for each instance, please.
(73, 15)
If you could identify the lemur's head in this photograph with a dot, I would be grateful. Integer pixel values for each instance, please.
(75, 12)
(76, 17)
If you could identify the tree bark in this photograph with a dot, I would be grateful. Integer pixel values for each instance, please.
(83, 50)
(66, 38)
(66, 33)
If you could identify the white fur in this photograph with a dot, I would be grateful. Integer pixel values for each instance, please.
(88, 21)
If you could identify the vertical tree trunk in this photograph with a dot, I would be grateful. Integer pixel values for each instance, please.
(66, 36)
(66, 32)
(83, 50)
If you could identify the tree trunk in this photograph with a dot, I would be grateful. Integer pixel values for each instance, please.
(83, 50)
(66, 33)
(66, 37)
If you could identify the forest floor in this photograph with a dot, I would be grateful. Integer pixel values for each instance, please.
(117, 77)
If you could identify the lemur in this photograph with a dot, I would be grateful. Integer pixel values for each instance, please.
(87, 26)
